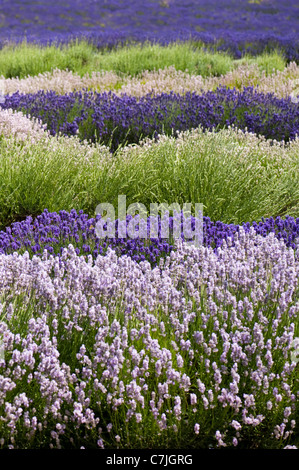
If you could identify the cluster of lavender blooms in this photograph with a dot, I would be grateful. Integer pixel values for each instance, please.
(112, 353)
(14, 123)
(115, 120)
(108, 24)
(54, 231)
(282, 83)
(63, 81)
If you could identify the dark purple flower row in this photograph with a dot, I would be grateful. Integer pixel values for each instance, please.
(53, 231)
(114, 120)
(236, 26)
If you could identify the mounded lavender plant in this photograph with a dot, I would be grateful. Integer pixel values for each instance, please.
(115, 120)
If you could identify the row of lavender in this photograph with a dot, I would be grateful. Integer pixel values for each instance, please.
(55, 231)
(246, 25)
(114, 119)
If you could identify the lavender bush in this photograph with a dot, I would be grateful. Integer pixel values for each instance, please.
(194, 353)
(114, 120)
(237, 176)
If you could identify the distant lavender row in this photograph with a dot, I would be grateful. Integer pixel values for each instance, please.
(232, 26)
(114, 120)
(53, 231)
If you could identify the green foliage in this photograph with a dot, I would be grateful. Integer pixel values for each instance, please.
(235, 181)
(79, 56)
(268, 61)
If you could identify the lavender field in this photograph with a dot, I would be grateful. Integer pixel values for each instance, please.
(149, 224)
